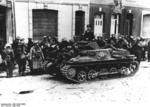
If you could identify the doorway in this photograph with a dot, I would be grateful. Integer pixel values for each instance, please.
(45, 22)
(129, 24)
(2, 24)
(79, 22)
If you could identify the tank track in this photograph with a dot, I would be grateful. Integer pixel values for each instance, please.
(80, 73)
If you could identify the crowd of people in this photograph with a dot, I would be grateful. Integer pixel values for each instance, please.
(36, 53)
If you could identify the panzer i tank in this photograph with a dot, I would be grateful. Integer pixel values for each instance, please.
(94, 63)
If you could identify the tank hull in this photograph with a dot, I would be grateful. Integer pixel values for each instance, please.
(86, 68)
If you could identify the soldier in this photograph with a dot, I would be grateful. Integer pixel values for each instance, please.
(143, 45)
(21, 57)
(29, 45)
(123, 43)
(89, 35)
(9, 60)
(14, 47)
(54, 47)
(137, 50)
(2, 65)
(100, 41)
(44, 45)
(76, 49)
(36, 57)
(111, 44)
(148, 54)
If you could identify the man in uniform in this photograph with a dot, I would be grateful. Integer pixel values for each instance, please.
(148, 51)
(29, 45)
(137, 49)
(21, 57)
(89, 35)
(9, 60)
(100, 41)
(14, 47)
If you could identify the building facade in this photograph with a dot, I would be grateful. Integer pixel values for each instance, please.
(6, 22)
(132, 17)
(59, 18)
(69, 18)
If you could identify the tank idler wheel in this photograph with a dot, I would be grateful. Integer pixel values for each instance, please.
(92, 74)
(125, 71)
(134, 67)
(81, 76)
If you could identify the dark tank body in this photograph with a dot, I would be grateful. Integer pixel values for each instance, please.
(93, 63)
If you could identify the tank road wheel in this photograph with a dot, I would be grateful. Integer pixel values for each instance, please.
(104, 70)
(124, 71)
(81, 76)
(113, 69)
(92, 74)
(134, 67)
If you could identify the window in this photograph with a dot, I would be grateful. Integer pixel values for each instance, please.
(98, 25)
(146, 26)
(129, 24)
(115, 21)
(79, 22)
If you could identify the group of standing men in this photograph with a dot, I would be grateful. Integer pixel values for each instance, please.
(136, 45)
(49, 48)
(13, 54)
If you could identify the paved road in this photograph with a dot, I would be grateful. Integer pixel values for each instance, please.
(46, 89)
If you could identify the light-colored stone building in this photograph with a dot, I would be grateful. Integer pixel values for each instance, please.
(61, 18)
(6, 21)
(67, 18)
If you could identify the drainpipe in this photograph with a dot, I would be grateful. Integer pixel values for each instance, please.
(29, 36)
(14, 20)
(72, 22)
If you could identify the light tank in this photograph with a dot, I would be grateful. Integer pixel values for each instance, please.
(94, 63)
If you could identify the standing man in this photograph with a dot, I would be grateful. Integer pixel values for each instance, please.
(9, 60)
(14, 47)
(36, 57)
(148, 51)
(21, 57)
(89, 35)
(137, 50)
(29, 45)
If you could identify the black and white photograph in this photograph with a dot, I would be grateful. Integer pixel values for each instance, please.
(74, 52)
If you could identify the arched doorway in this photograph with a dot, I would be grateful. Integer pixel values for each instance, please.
(79, 22)
(98, 25)
(115, 23)
(128, 24)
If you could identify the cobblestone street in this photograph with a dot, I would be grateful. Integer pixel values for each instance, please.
(46, 89)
